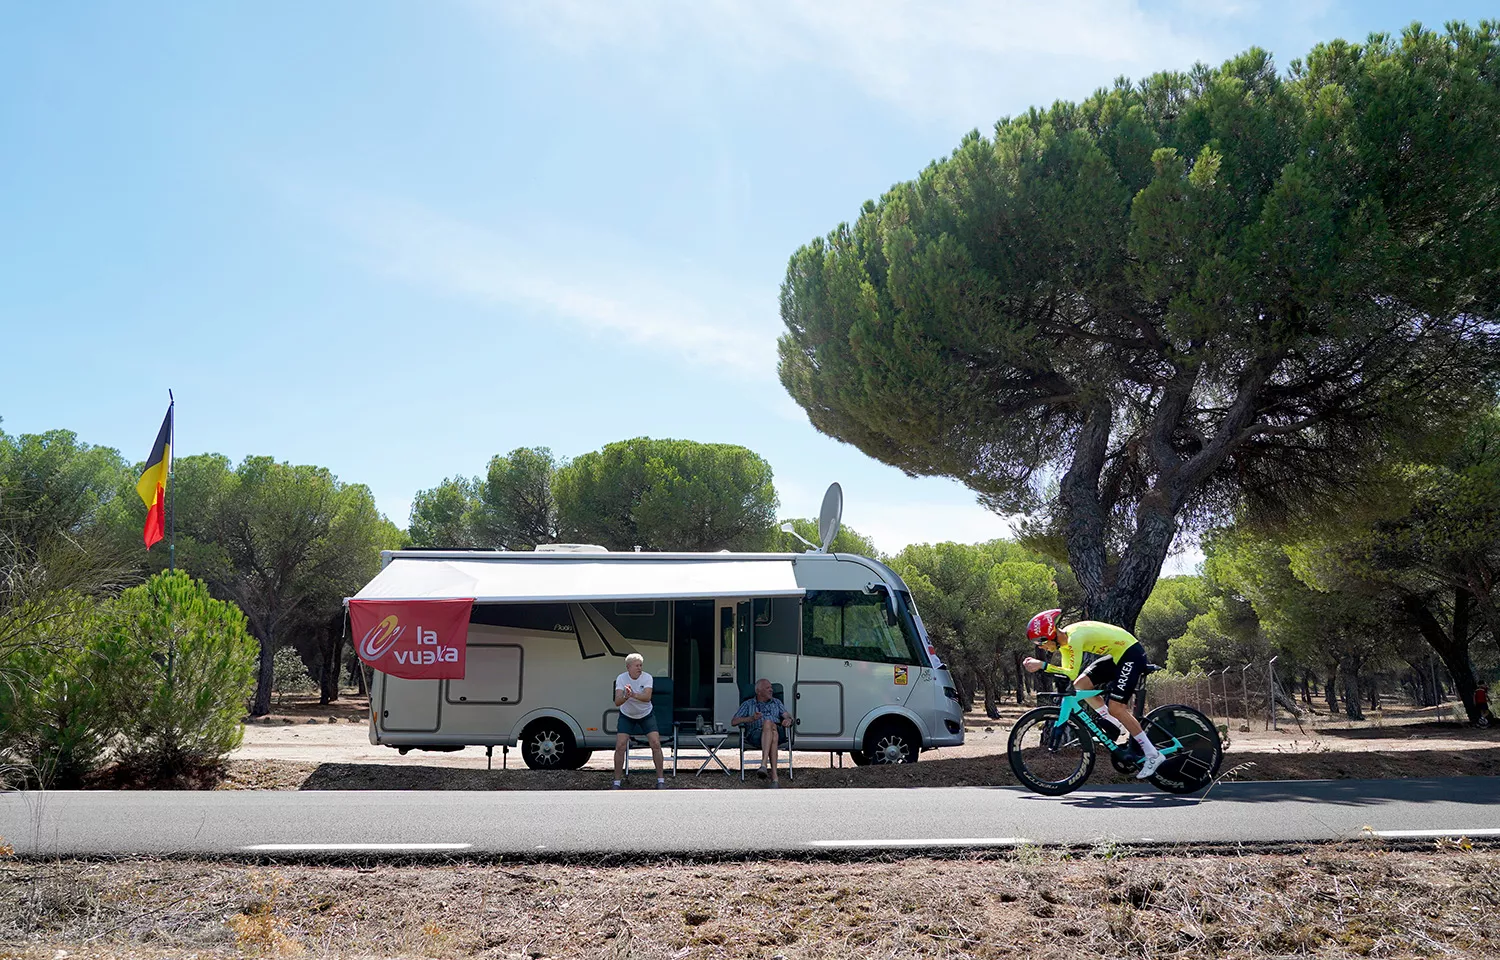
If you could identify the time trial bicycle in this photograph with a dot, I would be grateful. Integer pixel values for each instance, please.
(1051, 748)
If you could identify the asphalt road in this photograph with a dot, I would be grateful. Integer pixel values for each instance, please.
(639, 820)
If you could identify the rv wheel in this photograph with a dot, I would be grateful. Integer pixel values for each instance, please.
(548, 745)
(580, 757)
(892, 741)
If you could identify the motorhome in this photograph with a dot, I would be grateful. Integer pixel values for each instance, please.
(550, 630)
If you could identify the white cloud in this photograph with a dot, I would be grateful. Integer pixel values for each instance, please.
(962, 59)
(581, 281)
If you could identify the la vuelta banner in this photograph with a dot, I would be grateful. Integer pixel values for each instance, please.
(413, 639)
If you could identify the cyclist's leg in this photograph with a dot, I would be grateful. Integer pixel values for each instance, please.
(1128, 674)
(1125, 717)
(1098, 675)
(1086, 683)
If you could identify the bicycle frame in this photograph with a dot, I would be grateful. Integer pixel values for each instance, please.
(1075, 703)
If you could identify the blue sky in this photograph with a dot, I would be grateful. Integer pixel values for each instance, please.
(396, 238)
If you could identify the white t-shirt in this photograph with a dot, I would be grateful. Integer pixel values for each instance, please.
(633, 708)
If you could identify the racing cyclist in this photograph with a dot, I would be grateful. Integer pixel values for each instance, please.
(1117, 673)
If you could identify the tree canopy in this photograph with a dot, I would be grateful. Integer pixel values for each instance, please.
(667, 495)
(1206, 291)
(511, 508)
(285, 542)
(975, 600)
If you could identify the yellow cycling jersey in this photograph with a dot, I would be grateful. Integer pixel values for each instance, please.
(1089, 636)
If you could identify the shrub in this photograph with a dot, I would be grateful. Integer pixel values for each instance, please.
(183, 665)
(290, 674)
(57, 719)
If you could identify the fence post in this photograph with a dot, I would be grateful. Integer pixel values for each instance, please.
(1224, 682)
(1271, 691)
(1245, 692)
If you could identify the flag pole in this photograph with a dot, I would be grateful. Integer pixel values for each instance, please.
(171, 534)
(172, 487)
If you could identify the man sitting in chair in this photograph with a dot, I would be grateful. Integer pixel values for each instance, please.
(761, 716)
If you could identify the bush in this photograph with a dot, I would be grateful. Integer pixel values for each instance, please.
(183, 665)
(290, 674)
(57, 719)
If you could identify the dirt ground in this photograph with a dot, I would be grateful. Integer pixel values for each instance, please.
(1355, 900)
(305, 746)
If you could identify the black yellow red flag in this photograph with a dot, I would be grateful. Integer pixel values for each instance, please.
(152, 486)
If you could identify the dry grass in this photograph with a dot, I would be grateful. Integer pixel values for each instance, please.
(1357, 900)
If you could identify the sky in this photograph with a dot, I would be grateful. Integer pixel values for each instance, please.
(395, 239)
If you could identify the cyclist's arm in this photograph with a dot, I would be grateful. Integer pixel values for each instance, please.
(1068, 653)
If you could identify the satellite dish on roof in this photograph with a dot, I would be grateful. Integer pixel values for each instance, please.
(830, 516)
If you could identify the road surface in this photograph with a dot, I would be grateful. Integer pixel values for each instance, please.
(695, 822)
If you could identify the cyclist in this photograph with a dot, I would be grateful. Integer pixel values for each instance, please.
(1117, 673)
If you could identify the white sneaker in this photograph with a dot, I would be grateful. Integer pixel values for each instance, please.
(1150, 765)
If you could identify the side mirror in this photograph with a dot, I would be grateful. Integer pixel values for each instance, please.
(891, 617)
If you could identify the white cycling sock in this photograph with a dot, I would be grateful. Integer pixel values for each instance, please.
(1147, 747)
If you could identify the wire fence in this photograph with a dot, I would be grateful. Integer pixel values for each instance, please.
(1235, 696)
(1254, 696)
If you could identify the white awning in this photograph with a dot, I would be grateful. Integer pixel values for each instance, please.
(569, 579)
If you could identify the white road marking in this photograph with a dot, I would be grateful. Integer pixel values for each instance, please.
(924, 842)
(1435, 834)
(354, 847)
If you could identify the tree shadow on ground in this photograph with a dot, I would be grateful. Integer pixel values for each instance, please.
(1264, 769)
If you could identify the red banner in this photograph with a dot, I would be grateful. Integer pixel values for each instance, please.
(414, 639)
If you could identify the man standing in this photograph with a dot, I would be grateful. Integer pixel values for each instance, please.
(633, 697)
(762, 716)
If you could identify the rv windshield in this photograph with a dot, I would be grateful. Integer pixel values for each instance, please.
(854, 625)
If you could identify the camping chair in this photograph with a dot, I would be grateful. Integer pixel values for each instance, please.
(788, 735)
(661, 708)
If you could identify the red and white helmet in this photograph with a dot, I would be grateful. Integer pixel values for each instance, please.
(1043, 626)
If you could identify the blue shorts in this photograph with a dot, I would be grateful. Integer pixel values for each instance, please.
(752, 734)
(638, 728)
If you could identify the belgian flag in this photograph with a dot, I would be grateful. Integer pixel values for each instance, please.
(152, 486)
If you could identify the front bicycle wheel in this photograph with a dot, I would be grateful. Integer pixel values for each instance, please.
(1049, 760)
(1193, 766)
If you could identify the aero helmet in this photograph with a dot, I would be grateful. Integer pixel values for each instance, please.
(1043, 626)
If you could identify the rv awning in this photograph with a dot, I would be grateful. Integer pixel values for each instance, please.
(522, 581)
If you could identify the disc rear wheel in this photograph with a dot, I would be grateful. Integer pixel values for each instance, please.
(1194, 766)
(1049, 760)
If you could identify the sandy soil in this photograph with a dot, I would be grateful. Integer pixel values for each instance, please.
(1354, 900)
(306, 746)
(302, 731)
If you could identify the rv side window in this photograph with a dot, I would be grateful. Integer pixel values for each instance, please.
(764, 614)
(852, 625)
(726, 636)
(778, 625)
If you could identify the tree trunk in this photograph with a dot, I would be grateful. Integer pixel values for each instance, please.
(332, 649)
(359, 678)
(1306, 691)
(1452, 649)
(1352, 703)
(1020, 679)
(991, 687)
(333, 660)
(1375, 694)
(267, 675)
(963, 682)
(1330, 689)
